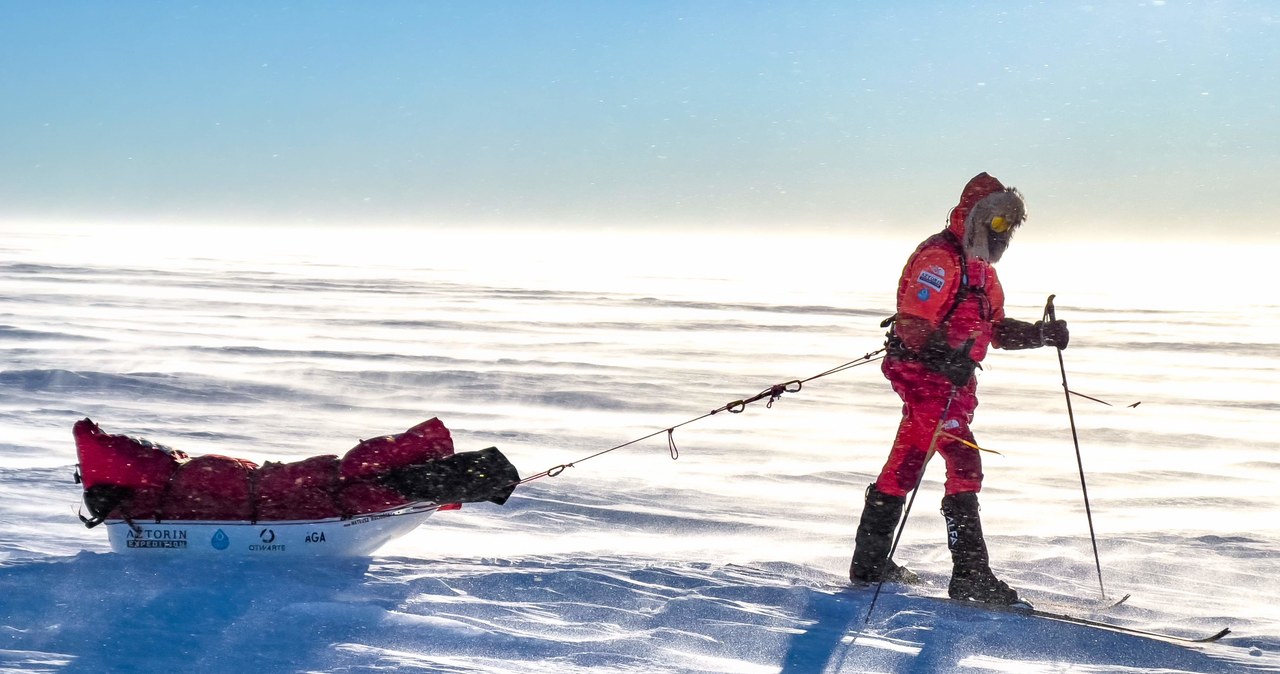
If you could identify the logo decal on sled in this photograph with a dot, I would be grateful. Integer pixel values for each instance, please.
(220, 540)
(156, 538)
(269, 544)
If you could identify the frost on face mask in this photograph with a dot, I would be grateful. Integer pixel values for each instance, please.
(991, 224)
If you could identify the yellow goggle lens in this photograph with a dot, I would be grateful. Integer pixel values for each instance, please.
(999, 225)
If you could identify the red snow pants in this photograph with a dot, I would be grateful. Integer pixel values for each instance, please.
(924, 396)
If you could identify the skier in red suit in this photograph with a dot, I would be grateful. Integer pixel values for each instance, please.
(950, 311)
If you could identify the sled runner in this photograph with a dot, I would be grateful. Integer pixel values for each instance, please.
(155, 498)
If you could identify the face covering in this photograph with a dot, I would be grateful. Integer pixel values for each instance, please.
(991, 224)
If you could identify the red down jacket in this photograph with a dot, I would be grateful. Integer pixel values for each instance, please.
(144, 480)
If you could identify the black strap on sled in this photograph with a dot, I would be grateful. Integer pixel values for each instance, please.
(102, 499)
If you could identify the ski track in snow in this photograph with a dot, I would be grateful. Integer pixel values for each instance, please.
(730, 559)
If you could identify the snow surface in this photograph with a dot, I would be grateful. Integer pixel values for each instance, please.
(277, 344)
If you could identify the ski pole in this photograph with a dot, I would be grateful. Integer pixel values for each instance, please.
(1075, 439)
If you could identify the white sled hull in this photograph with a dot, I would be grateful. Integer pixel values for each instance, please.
(356, 537)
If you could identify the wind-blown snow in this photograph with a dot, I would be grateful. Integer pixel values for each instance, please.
(283, 344)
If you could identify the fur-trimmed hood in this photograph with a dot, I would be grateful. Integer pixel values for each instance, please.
(978, 188)
(986, 217)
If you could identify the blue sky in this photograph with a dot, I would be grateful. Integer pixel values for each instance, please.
(1134, 117)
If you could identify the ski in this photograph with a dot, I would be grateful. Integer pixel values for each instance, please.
(1059, 614)
(1091, 607)
(1026, 609)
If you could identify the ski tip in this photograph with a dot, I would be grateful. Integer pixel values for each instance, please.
(1214, 637)
(1119, 601)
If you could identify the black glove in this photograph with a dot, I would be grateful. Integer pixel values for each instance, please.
(954, 364)
(959, 367)
(1054, 333)
(1013, 334)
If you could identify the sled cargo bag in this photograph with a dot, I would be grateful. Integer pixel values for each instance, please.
(122, 476)
(211, 487)
(301, 490)
(364, 464)
(129, 478)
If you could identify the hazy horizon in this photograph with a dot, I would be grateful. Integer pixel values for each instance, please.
(1149, 117)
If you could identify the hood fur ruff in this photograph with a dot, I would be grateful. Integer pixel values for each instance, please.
(978, 187)
(985, 198)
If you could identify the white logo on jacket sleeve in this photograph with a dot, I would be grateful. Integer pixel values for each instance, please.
(934, 277)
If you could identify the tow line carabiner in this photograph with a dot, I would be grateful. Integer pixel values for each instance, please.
(777, 390)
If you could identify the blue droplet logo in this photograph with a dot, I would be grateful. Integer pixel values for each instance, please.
(220, 540)
(923, 294)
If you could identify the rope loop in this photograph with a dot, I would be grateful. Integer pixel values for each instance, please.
(671, 444)
(556, 470)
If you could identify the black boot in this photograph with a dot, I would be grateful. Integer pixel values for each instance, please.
(971, 577)
(871, 563)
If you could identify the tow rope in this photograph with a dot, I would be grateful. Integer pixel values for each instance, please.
(773, 393)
